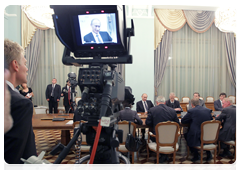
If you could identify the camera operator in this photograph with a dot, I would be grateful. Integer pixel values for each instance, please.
(128, 114)
(67, 101)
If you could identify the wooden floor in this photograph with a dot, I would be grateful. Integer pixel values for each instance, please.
(47, 139)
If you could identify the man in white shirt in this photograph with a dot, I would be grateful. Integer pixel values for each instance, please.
(97, 36)
(53, 94)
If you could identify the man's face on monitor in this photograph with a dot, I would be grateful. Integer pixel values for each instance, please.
(96, 26)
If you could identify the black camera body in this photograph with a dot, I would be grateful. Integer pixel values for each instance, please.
(103, 89)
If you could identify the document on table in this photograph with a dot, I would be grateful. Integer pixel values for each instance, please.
(69, 122)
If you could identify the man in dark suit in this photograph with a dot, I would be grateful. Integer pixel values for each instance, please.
(128, 114)
(53, 94)
(228, 130)
(196, 95)
(195, 117)
(97, 36)
(66, 93)
(160, 113)
(143, 106)
(173, 103)
(19, 141)
(218, 103)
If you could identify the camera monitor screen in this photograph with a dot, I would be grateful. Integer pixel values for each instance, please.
(96, 29)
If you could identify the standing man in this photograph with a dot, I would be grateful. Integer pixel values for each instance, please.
(67, 101)
(196, 95)
(195, 117)
(173, 103)
(143, 106)
(53, 94)
(160, 113)
(218, 103)
(97, 36)
(19, 141)
(228, 130)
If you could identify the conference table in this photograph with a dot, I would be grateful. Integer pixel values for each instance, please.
(209, 105)
(45, 122)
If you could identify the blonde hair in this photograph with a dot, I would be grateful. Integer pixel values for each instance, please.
(12, 51)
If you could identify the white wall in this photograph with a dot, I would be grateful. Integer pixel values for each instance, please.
(140, 74)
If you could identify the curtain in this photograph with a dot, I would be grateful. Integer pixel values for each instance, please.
(32, 53)
(197, 63)
(28, 30)
(231, 56)
(160, 59)
(199, 21)
(171, 19)
(50, 66)
(158, 31)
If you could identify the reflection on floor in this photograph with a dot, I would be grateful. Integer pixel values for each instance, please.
(47, 139)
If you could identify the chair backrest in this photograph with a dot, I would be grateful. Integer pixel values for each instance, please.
(233, 98)
(209, 131)
(167, 133)
(185, 99)
(124, 125)
(210, 99)
(75, 125)
(176, 98)
(77, 99)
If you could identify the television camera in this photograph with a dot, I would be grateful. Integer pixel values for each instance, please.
(102, 87)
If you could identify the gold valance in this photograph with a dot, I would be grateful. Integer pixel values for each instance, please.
(171, 19)
(158, 30)
(28, 30)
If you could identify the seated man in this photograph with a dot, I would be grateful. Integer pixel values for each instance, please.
(128, 114)
(218, 103)
(228, 130)
(173, 103)
(160, 113)
(195, 117)
(197, 96)
(143, 106)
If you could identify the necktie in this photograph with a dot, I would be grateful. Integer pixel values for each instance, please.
(52, 90)
(146, 106)
(99, 40)
(69, 93)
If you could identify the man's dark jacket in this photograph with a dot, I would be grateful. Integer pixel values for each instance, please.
(228, 117)
(19, 141)
(195, 117)
(140, 107)
(160, 113)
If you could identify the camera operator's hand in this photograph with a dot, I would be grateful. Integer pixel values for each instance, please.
(47, 99)
(58, 100)
(61, 94)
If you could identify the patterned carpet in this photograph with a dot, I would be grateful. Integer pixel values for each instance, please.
(47, 139)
